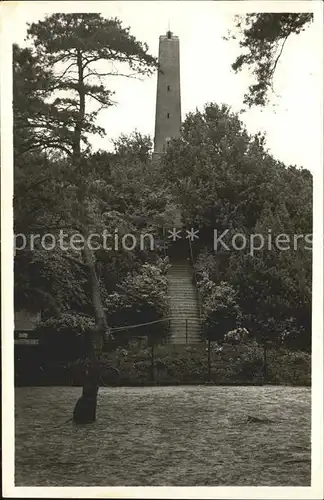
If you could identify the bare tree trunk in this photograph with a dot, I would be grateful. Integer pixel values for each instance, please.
(86, 406)
(96, 298)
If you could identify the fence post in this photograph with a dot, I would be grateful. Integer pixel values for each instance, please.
(264, 360)
(209, 364)
(186, 331)
(152, 361)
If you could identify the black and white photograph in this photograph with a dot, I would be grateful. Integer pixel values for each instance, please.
(162, 249)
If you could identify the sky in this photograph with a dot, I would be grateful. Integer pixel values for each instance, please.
(205, 71)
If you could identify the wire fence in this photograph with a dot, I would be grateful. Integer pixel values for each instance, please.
(147, 361)
(146, 353)
(214, 354)
(159, 331)
(207, 361)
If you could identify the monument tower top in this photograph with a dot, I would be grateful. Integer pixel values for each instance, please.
(168, 100)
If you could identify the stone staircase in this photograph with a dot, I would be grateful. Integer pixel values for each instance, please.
(185, 323)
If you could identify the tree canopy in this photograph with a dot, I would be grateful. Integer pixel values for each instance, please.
(262, 38)
(59, 89)
(220, 175)
(226, 180)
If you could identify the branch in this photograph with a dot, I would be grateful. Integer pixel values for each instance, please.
(88, 61)
(32, 186)
(39, 125)
(66, 70)
(68, 53)
(132, 75)
(103, 104)
(42, 146)
(76, 261)
(278, 57)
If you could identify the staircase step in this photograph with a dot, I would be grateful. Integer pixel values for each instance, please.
(185, 324)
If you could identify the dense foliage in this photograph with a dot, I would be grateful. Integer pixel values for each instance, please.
(262, 38)
(176, 364)
(220, 311)
(140, 297)
(226, 181)
(60, 87)
(222, 178)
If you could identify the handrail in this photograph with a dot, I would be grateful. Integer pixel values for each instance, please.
(117, 328)
(120, 328)
(177, 317)
(196, 281)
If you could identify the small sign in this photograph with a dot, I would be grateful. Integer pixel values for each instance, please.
(23, 335)
(27, 341)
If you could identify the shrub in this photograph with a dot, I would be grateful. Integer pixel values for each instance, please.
(289, 367)
(67, 323)
(236, 336)
(65, 336)
(294, 336)
(179, 364)
(220, 311)
(141, 297)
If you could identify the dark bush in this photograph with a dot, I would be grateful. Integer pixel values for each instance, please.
(180, 364)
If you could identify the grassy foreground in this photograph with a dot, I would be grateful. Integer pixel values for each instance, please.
(165, 436)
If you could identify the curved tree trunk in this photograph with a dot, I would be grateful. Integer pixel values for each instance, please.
(86, 406)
